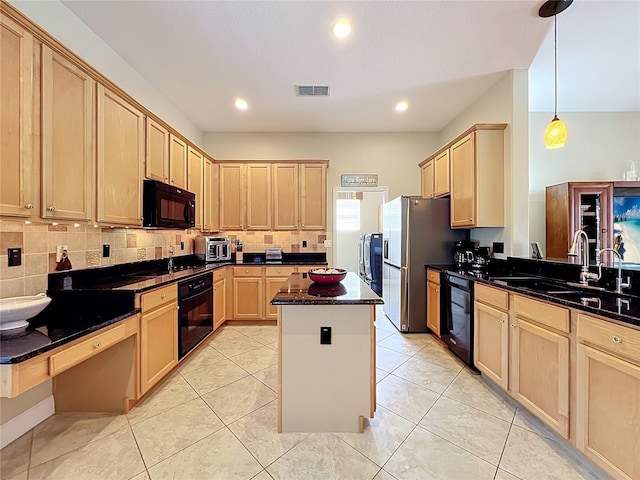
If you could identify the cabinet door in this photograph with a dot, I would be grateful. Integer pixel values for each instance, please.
(272, 285)
(258, 197)
(17, 196)
(441, 175)
(608, 412)
(491, 343)
(248, 298)
(231, 196)
(540, 373)
(194, 182)
(68, 98)
(313, 197)
(219, 303)
(433, 307)
(120, 160)
(177, 162)
(158, 344)
(157, 152)
(285, 197)
(463, 174)
(211, 205)
(426, 176)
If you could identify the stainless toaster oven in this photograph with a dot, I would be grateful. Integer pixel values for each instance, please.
(213, 249)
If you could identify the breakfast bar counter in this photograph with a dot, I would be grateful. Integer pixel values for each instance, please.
(326, 354)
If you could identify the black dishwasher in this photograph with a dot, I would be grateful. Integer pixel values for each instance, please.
(457, 322)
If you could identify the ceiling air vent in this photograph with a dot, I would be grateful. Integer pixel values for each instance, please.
(312, 90)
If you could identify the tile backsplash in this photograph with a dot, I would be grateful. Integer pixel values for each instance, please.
(38, 243)
(289, 241)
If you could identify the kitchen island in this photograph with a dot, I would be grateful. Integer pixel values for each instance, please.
(326, 355)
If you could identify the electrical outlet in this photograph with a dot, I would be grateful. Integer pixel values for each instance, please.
(327, 243)
(498, 247)
(59, 250)
(106, 250)
(181, 245)
(304, 244)
(15, 256)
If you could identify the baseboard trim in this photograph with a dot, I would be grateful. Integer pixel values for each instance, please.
(21, 424)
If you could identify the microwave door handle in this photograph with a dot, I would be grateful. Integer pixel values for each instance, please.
(187, 212)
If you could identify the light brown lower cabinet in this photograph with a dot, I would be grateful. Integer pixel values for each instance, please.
(219, 297)
(248, 298)
(525, 351)
(433, 301)
(158, 336)
(608, 396)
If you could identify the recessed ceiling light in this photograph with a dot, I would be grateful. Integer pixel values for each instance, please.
(341, 29)
(241, 104)
(402, 106)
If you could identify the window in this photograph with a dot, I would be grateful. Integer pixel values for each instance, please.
(347, 214)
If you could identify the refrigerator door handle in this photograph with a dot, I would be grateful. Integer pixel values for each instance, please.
(385, 249)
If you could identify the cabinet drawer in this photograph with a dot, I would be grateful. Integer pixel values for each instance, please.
(433, 276)
(543, 313)
(247, 271)
(279, 271)
(492, 296)
(158, 297)
(219, 274)
(72, 356)
(615, 338)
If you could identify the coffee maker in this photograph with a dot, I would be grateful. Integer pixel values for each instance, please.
(481, 256)
(464, 254)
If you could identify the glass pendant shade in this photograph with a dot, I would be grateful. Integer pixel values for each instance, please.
(555, 135)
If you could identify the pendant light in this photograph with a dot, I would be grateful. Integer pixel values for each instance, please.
(555, 135)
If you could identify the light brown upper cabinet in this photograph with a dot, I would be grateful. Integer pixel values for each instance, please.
(211, 202)
(17, 189)
(120, 159)
(477, 177)
(157, 152)
(195, 183)
(68, 154)
(177, 162)
(285, 196)
(426, 179)
(313, 196)
(258, 205)
(232, 185)
(441, 183)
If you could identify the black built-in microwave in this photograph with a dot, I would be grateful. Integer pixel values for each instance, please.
(166, 206)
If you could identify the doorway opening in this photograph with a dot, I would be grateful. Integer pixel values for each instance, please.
(356, 211)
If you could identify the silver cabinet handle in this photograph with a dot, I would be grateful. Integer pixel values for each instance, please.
(97, 345)
(616, 339)
(51, 208)
(29, 206)
(502, 319)
(470, 219)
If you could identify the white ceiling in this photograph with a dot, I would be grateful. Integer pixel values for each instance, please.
(438, 55)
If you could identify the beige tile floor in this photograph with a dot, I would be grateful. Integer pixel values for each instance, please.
(215, 418)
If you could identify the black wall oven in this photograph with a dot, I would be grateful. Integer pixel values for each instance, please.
(195, 316)
(165, 206)
(457, 317)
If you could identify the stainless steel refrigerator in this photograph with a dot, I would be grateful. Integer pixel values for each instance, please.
(416, 231)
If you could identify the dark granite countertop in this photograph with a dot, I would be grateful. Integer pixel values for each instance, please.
(623, 309)
(19, 345)
(300, 290)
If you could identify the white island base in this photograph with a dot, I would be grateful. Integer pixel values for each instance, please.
(326, 388)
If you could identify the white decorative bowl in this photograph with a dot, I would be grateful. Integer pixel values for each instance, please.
(15, 311)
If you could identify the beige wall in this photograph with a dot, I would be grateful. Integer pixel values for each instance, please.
(12, 407)
(62, 24)
(393, 156)
(599, 146)
(38, 243)
(505, 102)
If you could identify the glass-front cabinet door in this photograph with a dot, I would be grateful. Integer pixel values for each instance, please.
(592, 213)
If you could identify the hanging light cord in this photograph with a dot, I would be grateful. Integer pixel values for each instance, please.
(555, 65)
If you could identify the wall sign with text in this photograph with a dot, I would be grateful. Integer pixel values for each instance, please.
(359, 180)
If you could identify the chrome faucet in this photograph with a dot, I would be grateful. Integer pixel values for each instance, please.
(583, 247)
(619, 284)
(170, 265)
